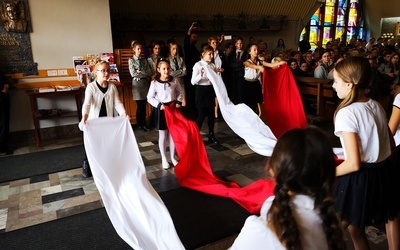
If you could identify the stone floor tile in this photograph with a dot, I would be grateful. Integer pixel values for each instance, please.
(30, 201)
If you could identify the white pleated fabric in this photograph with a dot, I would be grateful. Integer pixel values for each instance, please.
(136, 211)
(241, 119)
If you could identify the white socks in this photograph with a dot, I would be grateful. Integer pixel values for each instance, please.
(162, 143)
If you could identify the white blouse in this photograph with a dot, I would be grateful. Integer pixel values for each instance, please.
(256, 234)
(397, 135)
(368, 120)
(160, 92)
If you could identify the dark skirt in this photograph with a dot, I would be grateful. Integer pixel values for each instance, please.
(362, 196)
(251, 92)
(394, 175)
(205, 96)
(159, 119)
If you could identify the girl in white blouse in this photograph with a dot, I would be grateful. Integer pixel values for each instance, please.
(362, 186)
(164, 90)
(302, 213)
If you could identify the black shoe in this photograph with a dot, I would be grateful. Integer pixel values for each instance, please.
(212, 139)
(86, 172)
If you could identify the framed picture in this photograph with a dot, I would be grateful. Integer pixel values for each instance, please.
(397, 32)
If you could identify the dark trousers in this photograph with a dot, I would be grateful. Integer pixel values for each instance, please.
(141, 112)
(202, 113)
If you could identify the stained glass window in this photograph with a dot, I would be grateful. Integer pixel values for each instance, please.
(335, 19)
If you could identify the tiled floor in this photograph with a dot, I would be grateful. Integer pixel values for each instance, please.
(35, 200)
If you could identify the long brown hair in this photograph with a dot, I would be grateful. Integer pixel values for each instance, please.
(303, 163)
(355, 70)
(157, 74)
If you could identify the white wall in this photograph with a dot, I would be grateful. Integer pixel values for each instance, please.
(61, 30)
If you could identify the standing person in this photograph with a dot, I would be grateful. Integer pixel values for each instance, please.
(304, 45)
(220, 64)
(226, 77)
(236, 60)
(361, 125)
(192, 55)
(250, 92)
(101, 98)
(280, 46)
(301, 214)
(154, 56)
(141, 72)
(178, 67)
(164, 90)
(4, 115)
(394, 220)
(205, 96)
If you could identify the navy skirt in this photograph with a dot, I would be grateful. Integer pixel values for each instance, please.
(160, 121)
(394, 174)
(362, 197)
(251, 92)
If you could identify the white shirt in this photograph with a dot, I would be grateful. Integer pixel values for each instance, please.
(368, 120)
(396, 136)
(256, 234)
(217, 59)
(163, 92)
(197, 77)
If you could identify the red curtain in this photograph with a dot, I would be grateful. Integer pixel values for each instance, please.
(194, 170)
(282, 101)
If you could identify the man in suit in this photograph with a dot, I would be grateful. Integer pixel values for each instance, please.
(236, 60)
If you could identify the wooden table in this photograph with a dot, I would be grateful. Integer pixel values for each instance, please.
(34, 95)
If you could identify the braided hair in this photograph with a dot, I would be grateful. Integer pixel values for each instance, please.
(303, 163)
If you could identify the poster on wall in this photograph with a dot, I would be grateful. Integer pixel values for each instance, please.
(15, 45)
(84, 66)
(397, 33)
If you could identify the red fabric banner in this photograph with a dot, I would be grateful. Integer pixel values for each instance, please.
(282, 101)
(194, 170)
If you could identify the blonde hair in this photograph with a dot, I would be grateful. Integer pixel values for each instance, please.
(355, 70)
(101, 62)
(276, 59)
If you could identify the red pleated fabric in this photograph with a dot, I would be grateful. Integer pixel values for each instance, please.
(194, 171)
(282, 101)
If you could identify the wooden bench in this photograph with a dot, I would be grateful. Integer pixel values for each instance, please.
(320, 92)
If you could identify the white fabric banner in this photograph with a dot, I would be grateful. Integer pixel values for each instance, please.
(241, 119)
(136, 211)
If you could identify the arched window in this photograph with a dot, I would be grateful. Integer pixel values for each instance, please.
(335, 19)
